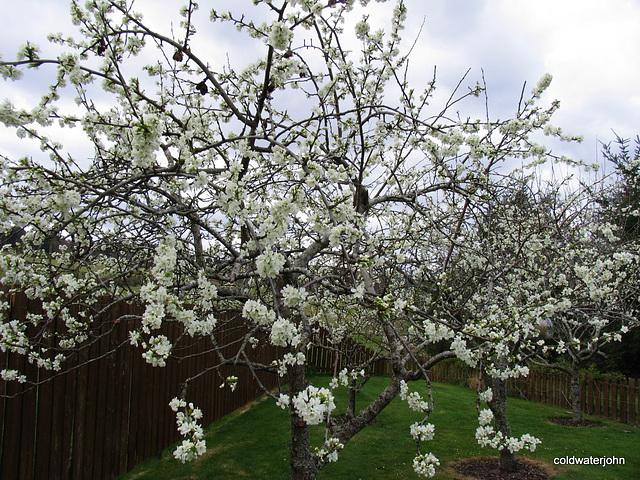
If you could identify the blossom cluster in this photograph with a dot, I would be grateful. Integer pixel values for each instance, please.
(488, 436)
(415, 401)
(290, 359)
(283, 401)
(187, 417)
(505, 373)
(313, 404)
(280, 36)
(345, 377)
(329, 451)
(158, 350)
(258, 312)
(269, 264)
(425, 465)
(145, 141)
(9, 375)
(294, 297)
(284, 333)
(421, 432)
(231, 381)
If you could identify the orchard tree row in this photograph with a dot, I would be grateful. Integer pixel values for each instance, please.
(315, 192)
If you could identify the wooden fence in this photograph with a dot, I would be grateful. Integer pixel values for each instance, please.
(103, 417)
(609, 397)
(331, 359)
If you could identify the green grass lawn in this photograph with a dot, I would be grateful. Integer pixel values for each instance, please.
(253, 444)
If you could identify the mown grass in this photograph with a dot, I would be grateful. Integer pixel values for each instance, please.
(253, 443)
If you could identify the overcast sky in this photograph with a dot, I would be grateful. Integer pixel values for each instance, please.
(591, 47)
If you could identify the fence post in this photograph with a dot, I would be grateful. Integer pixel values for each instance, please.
(598, 394)
(605, 398)
(623, 400)
(614, 399)
(633, 398)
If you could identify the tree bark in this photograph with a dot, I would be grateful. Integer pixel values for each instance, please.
(303, 464)
(576, 394)
(351, 406)
(498, 405)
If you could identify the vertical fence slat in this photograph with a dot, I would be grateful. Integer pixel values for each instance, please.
(605, 397)
(11, 460)
(614, 399)
(586, 394)
(44, 430)
(623, 400)
(633, 397)
(28, 420)
(598, 390)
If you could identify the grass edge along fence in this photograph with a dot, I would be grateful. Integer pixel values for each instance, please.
(100, 418)
(612, 397)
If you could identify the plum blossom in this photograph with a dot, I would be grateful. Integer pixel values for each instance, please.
(415, 401)
(269, 264)
(294, 297)
(486, 396)
(280, 36)
(158, 351)
(258, 312)
(329, 451)
(314, 404)
(425, 465)
(485, 417)
(9, 375)
(423, 433)
(146, 140)
(187, 416)
(231, 381)
(284, 333)
(283, 401)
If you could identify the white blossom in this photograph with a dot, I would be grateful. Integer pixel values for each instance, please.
(294, 297)
(158, 351)
(314, 404)
(280, 36)
(284, 333)
(269, 264)
(258, 312)
(425, 465)
(485, 417)
(423, 433)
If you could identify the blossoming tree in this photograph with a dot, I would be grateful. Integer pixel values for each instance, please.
(307, 189)
(592, 278)
(491, 296)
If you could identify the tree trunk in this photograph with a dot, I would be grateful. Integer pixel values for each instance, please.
(576, 394)
(302, 463)
(508, 461)
(351, 407)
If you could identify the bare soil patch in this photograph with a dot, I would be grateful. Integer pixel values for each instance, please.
(570, 422)
(488, 468)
